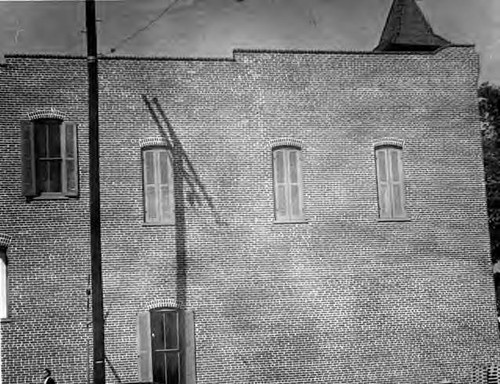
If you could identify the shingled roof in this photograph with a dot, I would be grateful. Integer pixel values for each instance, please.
(406, 29)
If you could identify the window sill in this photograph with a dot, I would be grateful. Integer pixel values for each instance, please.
(297, 221)
(168, 224)
(388, 220)
(6, 320)
(50, 197)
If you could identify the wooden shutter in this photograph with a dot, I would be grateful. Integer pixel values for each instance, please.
(150, 186)
(384, 198)
(69, 152)
(397, 187)
(280, 184)
(294, 183)
(144, 347)
(28, 158)
(165, 185)
(188, 350)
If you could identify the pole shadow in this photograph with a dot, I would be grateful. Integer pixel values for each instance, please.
(184, 175)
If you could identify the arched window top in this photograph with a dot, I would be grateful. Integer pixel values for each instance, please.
(156, 141)
(286, 142)
(389, 142)
(46, 114)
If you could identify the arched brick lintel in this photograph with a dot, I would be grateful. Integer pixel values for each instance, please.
(389, 142)
(157, 141)
(5, 241)
(286, 142)
(50, 113)
(159, 303)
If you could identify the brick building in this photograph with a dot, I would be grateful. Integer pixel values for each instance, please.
(275, 217)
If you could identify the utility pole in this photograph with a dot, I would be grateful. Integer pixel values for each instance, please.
(95, 204)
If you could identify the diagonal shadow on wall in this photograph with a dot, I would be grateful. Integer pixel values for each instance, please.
(185, 176)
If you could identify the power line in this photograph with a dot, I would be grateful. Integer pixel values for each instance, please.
(142, 29)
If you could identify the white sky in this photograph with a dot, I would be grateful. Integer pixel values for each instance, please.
(216, 27)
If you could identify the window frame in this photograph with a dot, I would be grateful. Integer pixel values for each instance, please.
(288, 217)
(390, 208)
(170, 217)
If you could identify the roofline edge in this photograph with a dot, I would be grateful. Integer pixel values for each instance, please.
(235, 52)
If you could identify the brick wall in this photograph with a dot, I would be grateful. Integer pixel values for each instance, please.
(340, 298)
(48, 255)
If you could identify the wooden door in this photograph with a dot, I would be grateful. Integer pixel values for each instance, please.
(165, 346)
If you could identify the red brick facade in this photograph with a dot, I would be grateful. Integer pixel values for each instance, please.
(341, 297)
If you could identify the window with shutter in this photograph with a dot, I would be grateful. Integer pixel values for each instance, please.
(390, 180)
(49, 158)
(165, 341)
(159, 207)
(288, 204)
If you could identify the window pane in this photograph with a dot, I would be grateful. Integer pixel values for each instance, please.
(281, 201)
(55, 176)
(398, 202)
(41, 140)
(381, 165)
(293, 166)
(151, 202)
(383, 197)
(164, 167)
(296, 212)
(166, 209)
(54, 140)
(395, 165)
(280, 166)
(149, 167)
(42, 176)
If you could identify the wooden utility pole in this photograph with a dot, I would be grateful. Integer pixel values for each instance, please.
(95, 204)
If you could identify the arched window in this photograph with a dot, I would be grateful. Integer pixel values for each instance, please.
(390, 180)
(158, 184)
(288, 189)
(49, 149)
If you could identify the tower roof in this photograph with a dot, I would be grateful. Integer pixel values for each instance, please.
(406, 29)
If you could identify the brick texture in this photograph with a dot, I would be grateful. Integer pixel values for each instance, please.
(342, 298)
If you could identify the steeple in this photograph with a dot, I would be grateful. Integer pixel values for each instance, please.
(406, 29)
